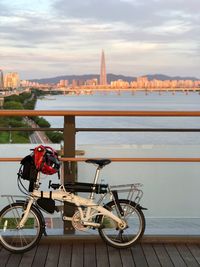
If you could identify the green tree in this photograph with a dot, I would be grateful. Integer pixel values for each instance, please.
(13, 105)
(41, 122)
(55, 137)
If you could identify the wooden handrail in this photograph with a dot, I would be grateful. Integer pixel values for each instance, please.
(117, 159)
(99, 113)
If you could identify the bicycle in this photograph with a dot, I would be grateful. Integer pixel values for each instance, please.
(120, 222)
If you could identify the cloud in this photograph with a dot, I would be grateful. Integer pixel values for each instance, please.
(157, 20)
(4, 10)
(141, 12)
(91, 21)
(102, 11)
(62, 35)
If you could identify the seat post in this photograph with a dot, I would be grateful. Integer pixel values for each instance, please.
(96, 177)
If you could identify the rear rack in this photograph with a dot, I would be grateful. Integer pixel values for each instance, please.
(133, 193)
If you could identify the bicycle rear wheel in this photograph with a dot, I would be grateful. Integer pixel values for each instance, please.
(134, 218)
(23, 239)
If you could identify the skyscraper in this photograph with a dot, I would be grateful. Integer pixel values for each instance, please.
(11, 80)
(1, 79)
(103, 78)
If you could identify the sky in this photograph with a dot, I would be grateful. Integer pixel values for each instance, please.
(48, 38)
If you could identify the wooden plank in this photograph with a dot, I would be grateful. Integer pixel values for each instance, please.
(102, 255)
(27, 258)
(114, 257)
(40, 256)
(65, 255)
(162, 255)
(77, 255)
(187, 256)
(89, 255)
(14, 260)
(138, 256)
(53, 255)
(174, 255)
(150, 255)
(4, 256)
(99, 255)
(195, 250)
(127, 258)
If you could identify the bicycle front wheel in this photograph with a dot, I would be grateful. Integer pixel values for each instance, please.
(15, 239)
(134, 218)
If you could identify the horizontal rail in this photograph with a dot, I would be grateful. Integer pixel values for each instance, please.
(118, 159)
(137, 130)
(140, 159)
(99, 113)
(45, 129)
(39, 129)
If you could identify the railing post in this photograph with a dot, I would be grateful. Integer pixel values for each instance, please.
(69, 167)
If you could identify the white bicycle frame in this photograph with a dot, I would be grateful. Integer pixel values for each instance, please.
(92, 209)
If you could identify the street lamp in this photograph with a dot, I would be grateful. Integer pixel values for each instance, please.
(10, 135)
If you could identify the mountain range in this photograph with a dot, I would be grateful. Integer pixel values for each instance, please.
(110, 77)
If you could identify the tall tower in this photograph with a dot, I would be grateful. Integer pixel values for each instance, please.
(1, 79)
(103, 78)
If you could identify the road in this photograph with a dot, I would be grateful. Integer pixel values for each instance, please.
(37, 137)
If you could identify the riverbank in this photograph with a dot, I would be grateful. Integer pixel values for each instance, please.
(26, 101)
(22, 101)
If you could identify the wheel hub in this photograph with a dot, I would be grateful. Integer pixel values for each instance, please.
(122, 225)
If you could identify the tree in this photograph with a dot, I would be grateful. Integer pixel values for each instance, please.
(55, 137)
(13, 105)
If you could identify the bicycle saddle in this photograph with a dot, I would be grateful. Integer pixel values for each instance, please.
(100, 162)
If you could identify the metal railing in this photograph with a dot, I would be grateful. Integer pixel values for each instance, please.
(69, 130)
(69, 133)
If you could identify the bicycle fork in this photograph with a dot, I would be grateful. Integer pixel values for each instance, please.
(25, 214)
(120, 223)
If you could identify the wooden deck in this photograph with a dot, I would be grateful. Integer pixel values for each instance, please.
(97, 254)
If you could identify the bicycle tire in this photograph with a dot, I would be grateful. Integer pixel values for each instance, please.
(134, 218)
(24, 239)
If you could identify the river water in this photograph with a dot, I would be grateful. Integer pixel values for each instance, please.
(128, 101)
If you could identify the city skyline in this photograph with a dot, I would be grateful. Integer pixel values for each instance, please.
(56, 37)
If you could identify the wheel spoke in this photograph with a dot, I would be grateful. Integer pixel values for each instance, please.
(19, 240)
(135, 221)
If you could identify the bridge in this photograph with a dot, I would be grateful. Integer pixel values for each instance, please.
(91, 90)
(78, 252)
